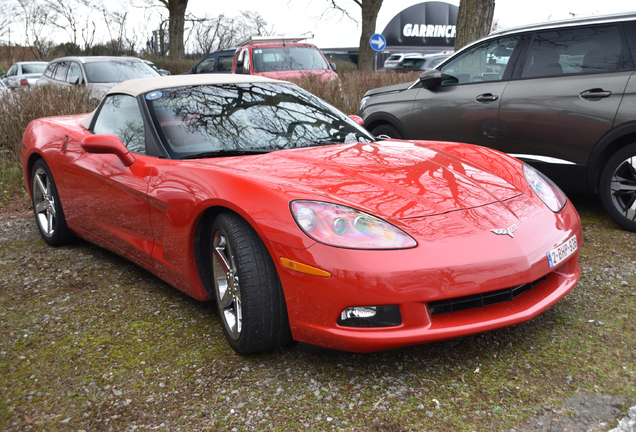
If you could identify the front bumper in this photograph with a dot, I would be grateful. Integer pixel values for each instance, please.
(446, 268)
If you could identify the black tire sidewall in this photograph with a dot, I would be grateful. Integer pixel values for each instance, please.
(387, 129)
(265, 324)
(605, 186)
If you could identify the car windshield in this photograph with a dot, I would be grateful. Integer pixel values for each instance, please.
(33, 68)
(117, 71)
(223, 119)
(288, 58)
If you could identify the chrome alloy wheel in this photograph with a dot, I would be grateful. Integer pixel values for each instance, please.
(623, 188)
(44, 202)
(228, 289)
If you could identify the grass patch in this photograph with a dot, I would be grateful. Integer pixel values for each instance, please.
(88, 336)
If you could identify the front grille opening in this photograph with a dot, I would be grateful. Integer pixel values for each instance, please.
(480, 300)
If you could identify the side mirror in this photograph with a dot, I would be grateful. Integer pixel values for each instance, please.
(357, 119)
(431, 78)
(108, 144)
(333, 66)
(239, 67)
(74, 80)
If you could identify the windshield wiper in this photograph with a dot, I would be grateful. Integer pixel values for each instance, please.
(224, 153)
(319, 143)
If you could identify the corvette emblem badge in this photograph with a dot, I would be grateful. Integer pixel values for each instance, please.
(507, 231)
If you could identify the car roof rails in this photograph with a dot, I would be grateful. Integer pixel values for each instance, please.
(274, 39)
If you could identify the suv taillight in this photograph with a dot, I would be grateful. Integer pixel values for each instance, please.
(24, 82)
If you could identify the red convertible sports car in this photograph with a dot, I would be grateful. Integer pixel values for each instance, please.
(302, 226)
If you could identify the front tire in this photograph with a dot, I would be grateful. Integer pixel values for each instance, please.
(247, 289)
(618, 187)
(388, 130)
(47, 207)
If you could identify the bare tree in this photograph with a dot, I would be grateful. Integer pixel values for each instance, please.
(36, 17)
(88, 34)
(222, 32)
(176, 26)
(370, 10)
(474, 20)
(6, 17)
(121, 41)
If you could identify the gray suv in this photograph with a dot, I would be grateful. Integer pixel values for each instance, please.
(560, 96)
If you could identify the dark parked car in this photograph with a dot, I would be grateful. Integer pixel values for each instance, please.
(420, 63)
(216, 62)
(560, 96)
(162, 72)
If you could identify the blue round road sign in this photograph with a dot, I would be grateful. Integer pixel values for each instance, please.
(377, 42)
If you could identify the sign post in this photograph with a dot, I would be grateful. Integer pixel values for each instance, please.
(378, 43)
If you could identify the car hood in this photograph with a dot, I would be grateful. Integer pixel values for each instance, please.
(390, 89)
(325, 75)
(394, 179)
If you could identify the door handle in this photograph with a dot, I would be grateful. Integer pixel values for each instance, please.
(595, 94)
(486, 97)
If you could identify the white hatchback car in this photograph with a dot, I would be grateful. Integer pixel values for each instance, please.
(22, 74)
(99, 73)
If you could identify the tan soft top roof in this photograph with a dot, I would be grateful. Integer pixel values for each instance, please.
(138, 86)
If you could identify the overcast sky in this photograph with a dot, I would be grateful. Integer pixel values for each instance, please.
(294, 17)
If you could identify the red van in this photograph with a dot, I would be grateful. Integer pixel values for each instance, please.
(281, 57)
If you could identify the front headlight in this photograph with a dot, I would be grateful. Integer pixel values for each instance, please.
(363, 103)
(340, 226)
(544, 188)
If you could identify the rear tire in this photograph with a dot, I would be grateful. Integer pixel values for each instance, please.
(47, 207)
(249, 297)
(618, 187)
(388, 130)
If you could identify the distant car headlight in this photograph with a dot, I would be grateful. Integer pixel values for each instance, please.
(363, 102)
(544, 188)
(340, 226)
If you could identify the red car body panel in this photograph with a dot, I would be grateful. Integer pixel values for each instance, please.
(447, 196)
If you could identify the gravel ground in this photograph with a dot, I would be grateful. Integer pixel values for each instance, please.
(91, 342)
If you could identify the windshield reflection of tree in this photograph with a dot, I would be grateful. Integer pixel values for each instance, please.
(255, 116)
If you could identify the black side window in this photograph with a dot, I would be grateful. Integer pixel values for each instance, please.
(630, 34)
(120, 116)
(60, 72)
(225, 63)
(485, 62)
(50, 70)
(576, 51)
(206, 66)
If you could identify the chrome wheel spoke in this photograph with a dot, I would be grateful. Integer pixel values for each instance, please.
(41, 186)
(44, 203)
(220, 245)
(40, 207)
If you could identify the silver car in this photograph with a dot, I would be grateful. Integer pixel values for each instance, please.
(22, 74)
(97, 73)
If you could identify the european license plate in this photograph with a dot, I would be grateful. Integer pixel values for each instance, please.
(560, 253)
